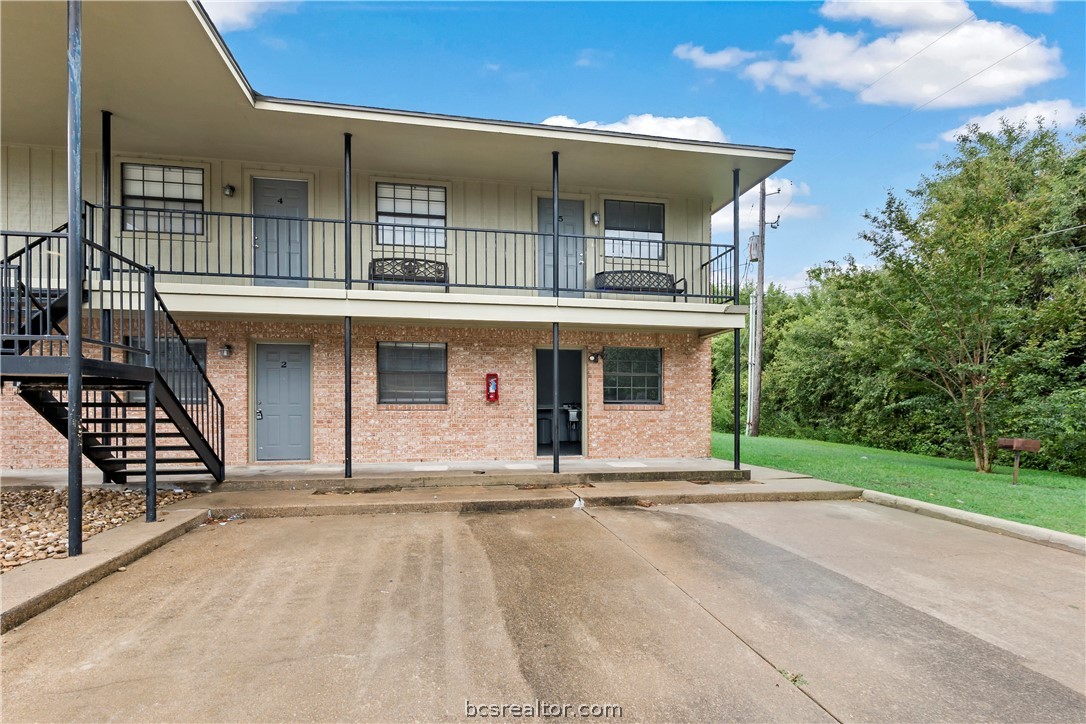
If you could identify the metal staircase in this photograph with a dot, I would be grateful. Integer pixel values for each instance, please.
(139, 373)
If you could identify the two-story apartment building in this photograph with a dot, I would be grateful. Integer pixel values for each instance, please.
(351, 282)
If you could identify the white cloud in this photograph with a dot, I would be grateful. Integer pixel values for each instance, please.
(591, 58)
(1029, 6)
(786, 205)
(899, 13)
(231, 15)
(699, 128)
(718, 60)
(1057, 112)
(824, 59)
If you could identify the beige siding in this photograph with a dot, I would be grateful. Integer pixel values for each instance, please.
(33, 180)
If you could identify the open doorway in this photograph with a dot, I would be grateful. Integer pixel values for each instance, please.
(570, 401)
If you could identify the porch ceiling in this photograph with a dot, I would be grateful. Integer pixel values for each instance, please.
(175, 91)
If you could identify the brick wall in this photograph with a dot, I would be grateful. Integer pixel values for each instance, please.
(467, 428)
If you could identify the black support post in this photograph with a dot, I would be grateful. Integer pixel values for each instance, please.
(107, 195)
(556, 452)
(348, 257)
(347, 472)
(107, 265)
(735, 292)
(75, 278)
(348, 252)
(150, 401)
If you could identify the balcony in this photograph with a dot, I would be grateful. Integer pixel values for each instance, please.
(275, 254)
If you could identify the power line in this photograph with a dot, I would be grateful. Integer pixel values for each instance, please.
(1057, 231)
(1066, 248)
(972, 16)
(953, 87)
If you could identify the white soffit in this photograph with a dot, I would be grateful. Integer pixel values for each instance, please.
(175, 90)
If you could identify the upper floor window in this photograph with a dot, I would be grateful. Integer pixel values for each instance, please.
(634, 229)
(175, 189)
(411, 214)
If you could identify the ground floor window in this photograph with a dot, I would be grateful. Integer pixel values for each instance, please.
(632, 375)
(411, 373)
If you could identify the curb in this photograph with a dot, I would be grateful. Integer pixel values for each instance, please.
(31, 589)
(558, 498)
(1031, 533)
(450, 506)
(458, 478)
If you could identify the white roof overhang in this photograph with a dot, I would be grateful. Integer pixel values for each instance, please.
(175, 90)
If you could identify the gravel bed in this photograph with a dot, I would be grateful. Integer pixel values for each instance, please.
(34, 522)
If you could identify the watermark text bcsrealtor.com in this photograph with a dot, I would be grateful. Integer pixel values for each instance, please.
(541, 710)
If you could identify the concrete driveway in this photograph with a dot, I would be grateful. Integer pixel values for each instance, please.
(674, 613)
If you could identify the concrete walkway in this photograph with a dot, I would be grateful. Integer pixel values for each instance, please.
(804, 611)
(33, 588)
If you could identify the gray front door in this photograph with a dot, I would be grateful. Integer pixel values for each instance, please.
(571, 268)
(282, 402)
(280, 245)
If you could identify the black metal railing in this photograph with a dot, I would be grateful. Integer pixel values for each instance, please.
(310, 252)
(125, 312)
(218, 246)
(33, 289)
(122, 311)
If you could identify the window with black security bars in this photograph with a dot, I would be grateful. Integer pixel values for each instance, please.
(411, 373)
(410, 215)
(177, 190)
(633, 375)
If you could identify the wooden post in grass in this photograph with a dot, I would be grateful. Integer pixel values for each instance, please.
(1018, 445)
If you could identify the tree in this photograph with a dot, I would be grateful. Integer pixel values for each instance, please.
(957, 288)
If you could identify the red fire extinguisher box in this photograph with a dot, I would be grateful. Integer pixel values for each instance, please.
(492, 387)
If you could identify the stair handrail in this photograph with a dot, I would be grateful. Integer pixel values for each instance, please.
(211, 427)
(21, 260)
(54, 234)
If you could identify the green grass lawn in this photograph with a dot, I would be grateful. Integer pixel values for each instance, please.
(1050, 500)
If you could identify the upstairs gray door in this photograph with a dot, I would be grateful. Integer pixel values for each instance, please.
(282, 402)
(571, 269)
(280, 245)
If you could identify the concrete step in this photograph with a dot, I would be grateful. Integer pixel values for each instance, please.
(482, 477)
(482, 498)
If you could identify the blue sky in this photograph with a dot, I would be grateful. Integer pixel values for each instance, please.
(868, 93)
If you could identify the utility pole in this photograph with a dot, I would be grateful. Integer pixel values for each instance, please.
(754, 401)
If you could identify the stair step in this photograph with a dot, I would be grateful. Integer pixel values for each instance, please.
(113, 403)
(129, 420)
(131, 433)
(143, 461)
(136, 448)
(165, 471)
